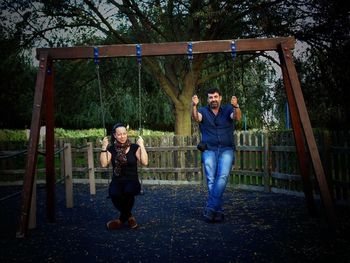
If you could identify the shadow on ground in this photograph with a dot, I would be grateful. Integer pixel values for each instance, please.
(258, 227)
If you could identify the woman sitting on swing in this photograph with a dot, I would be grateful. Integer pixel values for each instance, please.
(125, 183)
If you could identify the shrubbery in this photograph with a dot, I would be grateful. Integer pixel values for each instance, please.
(21, 135)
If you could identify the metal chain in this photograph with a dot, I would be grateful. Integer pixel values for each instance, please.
(103, 115)
(233, 77)
(140, 102)
(233, 55)
(101, 99)
(140, 121)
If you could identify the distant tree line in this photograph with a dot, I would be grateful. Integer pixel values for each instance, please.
(169, 82)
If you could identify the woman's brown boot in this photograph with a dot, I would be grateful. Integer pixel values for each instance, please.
(114, 224)
(132, 222)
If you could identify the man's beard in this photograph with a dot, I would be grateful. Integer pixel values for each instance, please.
(214, 105)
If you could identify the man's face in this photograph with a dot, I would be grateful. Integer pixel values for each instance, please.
(214, 100)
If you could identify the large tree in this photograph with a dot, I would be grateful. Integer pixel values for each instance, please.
(129, 21)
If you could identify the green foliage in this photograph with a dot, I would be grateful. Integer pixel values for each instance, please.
(21, 135)
(325, 78)
(78, 98)
(100, 133)
(324, 81)
(169, 83)
(17, 80)
(13, 135)
(64, 133)
(250, 79)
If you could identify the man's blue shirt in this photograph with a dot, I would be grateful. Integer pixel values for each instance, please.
(217, 130)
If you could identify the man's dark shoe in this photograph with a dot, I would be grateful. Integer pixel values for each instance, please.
(209, 216)
(219, 217)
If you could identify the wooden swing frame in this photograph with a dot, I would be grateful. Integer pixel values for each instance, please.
(44, 100)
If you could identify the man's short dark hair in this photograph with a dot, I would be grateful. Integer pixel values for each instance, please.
(213, 90)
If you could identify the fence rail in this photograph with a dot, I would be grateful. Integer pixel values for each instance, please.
(263, 161)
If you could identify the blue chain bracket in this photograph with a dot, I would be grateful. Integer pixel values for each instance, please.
(96, 55)
(233, 50)
(138, 53)
(189, 51)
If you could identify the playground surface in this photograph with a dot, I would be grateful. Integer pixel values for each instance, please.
(258, 227)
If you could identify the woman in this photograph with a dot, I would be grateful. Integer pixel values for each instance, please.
(125, 184)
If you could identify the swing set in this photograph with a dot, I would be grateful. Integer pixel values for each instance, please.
(44, 102)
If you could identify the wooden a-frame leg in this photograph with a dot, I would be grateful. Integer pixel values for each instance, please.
(32, 147)
(297, 96)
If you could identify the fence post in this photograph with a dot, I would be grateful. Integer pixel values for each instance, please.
(182, 156)
(91, 168)
(327, 160)
(61, 143)
(32, 214)
(267, 185)
(68, 175)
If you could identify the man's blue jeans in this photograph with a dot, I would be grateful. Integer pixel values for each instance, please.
(217, 167)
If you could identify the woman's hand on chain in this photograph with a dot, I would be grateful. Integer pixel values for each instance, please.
(105, 143)
(140, 141)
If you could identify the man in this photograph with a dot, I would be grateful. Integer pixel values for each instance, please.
(216, 124)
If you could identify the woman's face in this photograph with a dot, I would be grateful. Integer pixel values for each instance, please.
(121, 134)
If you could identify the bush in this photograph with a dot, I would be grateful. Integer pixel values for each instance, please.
(21, 135)
(13, 135)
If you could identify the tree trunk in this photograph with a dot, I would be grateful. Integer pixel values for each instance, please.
(183, 118)
(181, 98)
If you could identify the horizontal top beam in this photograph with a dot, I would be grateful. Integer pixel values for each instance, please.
(168, 48)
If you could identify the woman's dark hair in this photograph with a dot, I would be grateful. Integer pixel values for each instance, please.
(115, 126)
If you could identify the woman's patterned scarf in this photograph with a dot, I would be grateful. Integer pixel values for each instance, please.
(120, 159)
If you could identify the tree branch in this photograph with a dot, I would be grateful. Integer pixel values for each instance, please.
(105, 22)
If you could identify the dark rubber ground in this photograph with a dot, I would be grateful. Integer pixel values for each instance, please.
(258, 227)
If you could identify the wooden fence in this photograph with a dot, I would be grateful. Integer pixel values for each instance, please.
(264, 161)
